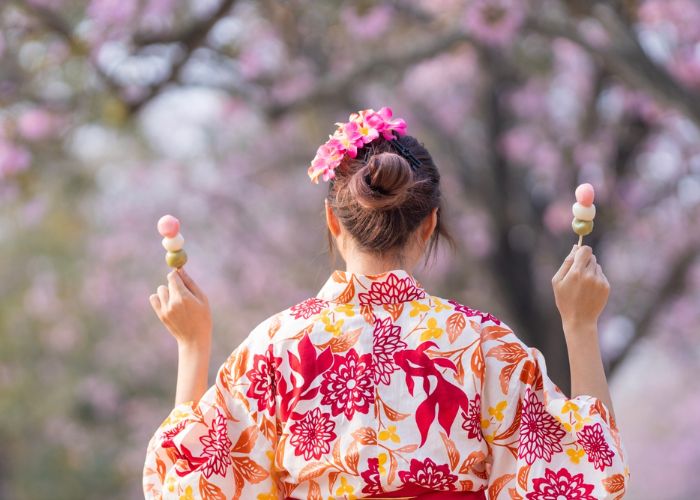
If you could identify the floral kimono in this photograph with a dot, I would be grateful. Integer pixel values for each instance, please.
(376, 389)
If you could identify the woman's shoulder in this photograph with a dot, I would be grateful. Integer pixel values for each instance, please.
(477, 317)
(297, 316)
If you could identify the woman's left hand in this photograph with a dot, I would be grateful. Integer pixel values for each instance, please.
(184, 309)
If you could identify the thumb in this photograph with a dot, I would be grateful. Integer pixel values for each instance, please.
(190, 284)
(566, 265)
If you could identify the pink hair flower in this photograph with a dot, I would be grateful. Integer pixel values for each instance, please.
(361, 128)
(382, 121)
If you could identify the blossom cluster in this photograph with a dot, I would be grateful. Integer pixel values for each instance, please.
(363, 127)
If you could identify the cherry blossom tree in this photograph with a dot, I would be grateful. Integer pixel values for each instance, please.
(114, 112)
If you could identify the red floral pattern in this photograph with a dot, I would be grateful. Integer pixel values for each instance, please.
(347, 387)
(560, 485)
(540, 432)
(308, 308)
(429, 475)
(596, 447)
(472, 421)
(373, 484)
(217, 446)
(392, 290)
(313, 394)
(262, 380)
(312, 435)
(469, 312)
(387, 341)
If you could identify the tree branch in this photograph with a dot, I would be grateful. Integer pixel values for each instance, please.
(329, 87)
(191, 35)
(673, 285)
(625, 58)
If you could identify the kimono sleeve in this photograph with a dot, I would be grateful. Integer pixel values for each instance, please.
(221, 446)
(541, 443)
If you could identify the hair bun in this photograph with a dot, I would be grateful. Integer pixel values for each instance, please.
(383, 182)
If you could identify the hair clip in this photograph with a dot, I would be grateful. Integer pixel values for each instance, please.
(406, 153)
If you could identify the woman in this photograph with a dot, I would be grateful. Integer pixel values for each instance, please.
(375, 388)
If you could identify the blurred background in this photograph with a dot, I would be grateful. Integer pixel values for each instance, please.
(115, 112)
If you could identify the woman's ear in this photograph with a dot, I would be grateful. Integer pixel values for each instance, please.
(429, 225)
(331, 219)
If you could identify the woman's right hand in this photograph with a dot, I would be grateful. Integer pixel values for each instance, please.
(581, 289)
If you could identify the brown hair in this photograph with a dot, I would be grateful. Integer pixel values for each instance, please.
(381, 199)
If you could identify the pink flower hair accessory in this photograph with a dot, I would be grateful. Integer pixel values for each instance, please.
(362, 128)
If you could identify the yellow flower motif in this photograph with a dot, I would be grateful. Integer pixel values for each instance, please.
(567, 426)
(389, 433)
(345, 488)
(575, 455)
(171, 483)
(382, 458)
(490, 437)
(346, 309)
(497, 411)
(417, 308)
(432, 332)
(188, 494)
(485, 422)
(334, 328)
(569, 406)
(439, 305)
(271, 495)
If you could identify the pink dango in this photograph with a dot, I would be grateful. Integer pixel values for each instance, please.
(585, 194)
(583, 210)
(173, 241)
(168, 226)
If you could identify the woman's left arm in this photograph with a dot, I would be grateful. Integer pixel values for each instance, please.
(192, 371)
(217, 442)
(184, 310)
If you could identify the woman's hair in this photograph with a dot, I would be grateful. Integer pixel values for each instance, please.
(381, 200)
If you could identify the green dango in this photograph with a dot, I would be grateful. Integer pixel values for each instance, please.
(176, 259)
(582, 227)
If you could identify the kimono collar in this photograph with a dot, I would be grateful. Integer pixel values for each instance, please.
(390, 287)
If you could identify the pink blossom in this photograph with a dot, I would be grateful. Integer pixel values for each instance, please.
(111, 15)
(36, 124)
(494, 22)
(13, 159)
(557, 217)
(372, 25)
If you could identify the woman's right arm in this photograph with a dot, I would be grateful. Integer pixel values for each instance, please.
(540, 440)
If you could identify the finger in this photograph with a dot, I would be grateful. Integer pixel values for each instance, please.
(592, 263)
(602, 274)
(583, 254)
(564, 268)
(155, 302)
(164, 296)
(177, 288)
(190, 284)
